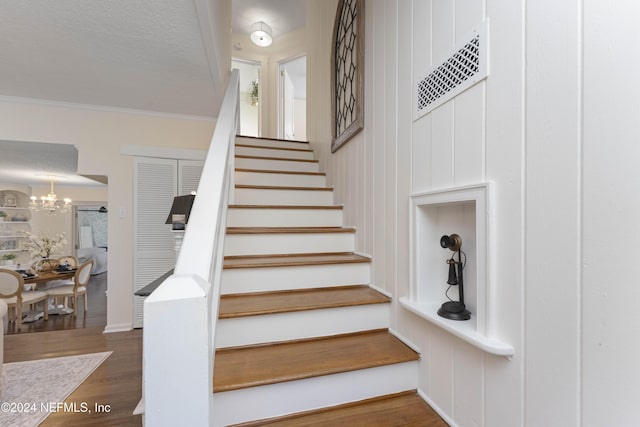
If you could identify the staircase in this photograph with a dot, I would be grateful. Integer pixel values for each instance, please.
(301, 338)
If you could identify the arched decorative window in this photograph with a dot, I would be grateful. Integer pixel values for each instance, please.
(347, 72)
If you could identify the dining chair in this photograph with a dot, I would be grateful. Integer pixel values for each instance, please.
(69, 260)
(78, 288)
(13, 294)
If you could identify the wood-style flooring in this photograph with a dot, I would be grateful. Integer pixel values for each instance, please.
(117, 382)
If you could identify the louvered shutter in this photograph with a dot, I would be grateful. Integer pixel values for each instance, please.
(189, 172)
(155, 186)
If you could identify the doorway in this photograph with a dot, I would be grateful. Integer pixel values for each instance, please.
(250, 96)
(292, 99)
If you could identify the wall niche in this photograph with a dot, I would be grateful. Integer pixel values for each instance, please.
(465, 211)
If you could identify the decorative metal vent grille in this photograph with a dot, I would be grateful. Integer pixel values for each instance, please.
(461, 70)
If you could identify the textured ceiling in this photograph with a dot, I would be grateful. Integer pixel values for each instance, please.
(143, 54)
(282, 16)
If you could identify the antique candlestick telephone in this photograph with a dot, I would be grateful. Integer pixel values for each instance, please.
(454, 310)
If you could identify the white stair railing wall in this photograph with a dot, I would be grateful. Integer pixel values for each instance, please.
(180, 316)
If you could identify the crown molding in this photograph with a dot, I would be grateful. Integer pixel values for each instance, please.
(103, 108)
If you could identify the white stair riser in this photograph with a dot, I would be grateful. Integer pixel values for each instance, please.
(281, 217)
(280, 179)
(271, 143)
(276, 165)
(261, 196)
(266, 279)
(290, 243)
(237, 406)
(300, 325)
(272, 152)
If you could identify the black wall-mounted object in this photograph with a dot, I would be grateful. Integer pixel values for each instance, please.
(180, 210)
(454, 310)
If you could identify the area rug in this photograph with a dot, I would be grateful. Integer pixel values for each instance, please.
(30, 391)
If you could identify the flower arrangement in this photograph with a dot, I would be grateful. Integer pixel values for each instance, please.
(254, 93)
(42, 245)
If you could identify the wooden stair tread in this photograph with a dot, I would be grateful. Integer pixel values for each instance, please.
(283, 187)
(243, 156)
(336, 207)
(291, 260)
(288, 230)
(251, 366)
(280, 171)
(272, 139)
(241, 305)
(264, 147)
(395, 410)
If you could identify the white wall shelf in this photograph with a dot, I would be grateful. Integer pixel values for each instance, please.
(467, 212)
(16, 222)
(463, 330)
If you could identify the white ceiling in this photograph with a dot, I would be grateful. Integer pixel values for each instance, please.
(144, 54)
(282, 16)
(35, 163)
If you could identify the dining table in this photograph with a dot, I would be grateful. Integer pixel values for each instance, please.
(41, 278)
(47, 276)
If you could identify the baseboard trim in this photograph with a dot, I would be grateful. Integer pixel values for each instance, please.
(447, 419)
(120, 327)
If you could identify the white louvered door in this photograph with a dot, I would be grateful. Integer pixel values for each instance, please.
(155, 185)
(189, 172)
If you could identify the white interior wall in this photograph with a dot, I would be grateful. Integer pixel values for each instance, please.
(249, 120)
(608, 164)
(448, 147)
(552, 182)
(554, 127)
(98, 134)
(300, 118)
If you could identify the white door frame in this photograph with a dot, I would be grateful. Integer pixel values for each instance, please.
(281, 66)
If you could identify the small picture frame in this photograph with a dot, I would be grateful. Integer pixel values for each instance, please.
(10, 200)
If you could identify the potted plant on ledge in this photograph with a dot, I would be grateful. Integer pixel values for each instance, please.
(7, 259)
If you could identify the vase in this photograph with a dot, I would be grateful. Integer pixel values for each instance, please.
(44, 265)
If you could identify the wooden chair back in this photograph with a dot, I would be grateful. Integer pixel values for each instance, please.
(11, 284)
(83, 274)
(69, 260)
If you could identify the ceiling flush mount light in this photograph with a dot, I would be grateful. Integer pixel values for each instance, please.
(261, 34)
(49, 203)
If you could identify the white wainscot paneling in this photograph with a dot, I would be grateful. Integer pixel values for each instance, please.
(469, 120)
(441, 158)
(468, 385)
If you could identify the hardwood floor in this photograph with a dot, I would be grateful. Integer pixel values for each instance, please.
(117, 382)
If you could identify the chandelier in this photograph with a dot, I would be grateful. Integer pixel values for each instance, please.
(49, 203)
